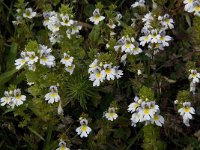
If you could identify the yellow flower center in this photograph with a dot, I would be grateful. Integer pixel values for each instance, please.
(156, 117)
(146, 111)
(111, 114)
(146, 38)
(98, 75)
(66, 58)
(97, 17)
(128, 45)
(84, 128)
(108, 71)
(187, 109)
(197, 8)
(53, 95)
(194, 75)
(18, 97)
(44, 58)
(62, 147)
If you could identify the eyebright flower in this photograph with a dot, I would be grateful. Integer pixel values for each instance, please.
(111, 114)
(29, 13)
(147, 112)
(46, 58)
(67, 60)
(21, 61)
(133, 106)
(6, 99)
(157, 119)
(31, 58)
(109, 72)
(186, 111)
(97, 76)
(140, 3)
(194, 76)
(96, 18)
(66, 21)
(83, 130)
(70, 69)
(18, 99)
(62, 146)
(52, 96)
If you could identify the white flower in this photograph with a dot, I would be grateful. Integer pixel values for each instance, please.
(55, 38)
(62, 146)
(176, 102)
(31, 58)
(158, 120)
(97, 76)
(148, 17)
(18, 99)
(192, 87)
(6, 99)
(109, 72)
(128, 45)
(118, 73)
(46, 58)
(194, 76)
(111, 114)
(135, 118)
(66, 21)
(146, 112)
(52, 96)
(167, 22)
(145, 39)
(96, 18)
(164, 39)
(75, 28)
(189, 5)
(93, 66)
(70, 69)
(136, 50)
(20, 62)
(133, 106)
(186, 111)
(155, 36)
(140, 3)
(29, 13)
(67, 60)
(83, 130)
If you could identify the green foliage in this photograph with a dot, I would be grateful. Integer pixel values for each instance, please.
(152, 139)
(161, 76)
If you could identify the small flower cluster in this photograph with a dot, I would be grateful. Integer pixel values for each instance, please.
(192, 6)
(30, 59)
(99, 72)
(96, 18)
(186, 112)
(62, 146)
(194, 77)
(13, 98)
(128, 45)
(83, 130)
(111, 114)
(147, 112)
(54, 21)
(27, 13)
(67, 60)
(53, 95)
(156, 37)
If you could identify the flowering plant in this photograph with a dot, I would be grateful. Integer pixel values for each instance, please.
(99, 75)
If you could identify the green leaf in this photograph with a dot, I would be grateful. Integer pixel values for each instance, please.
(95, 33)
(36, 133)
(11, 55)
(5, 77)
